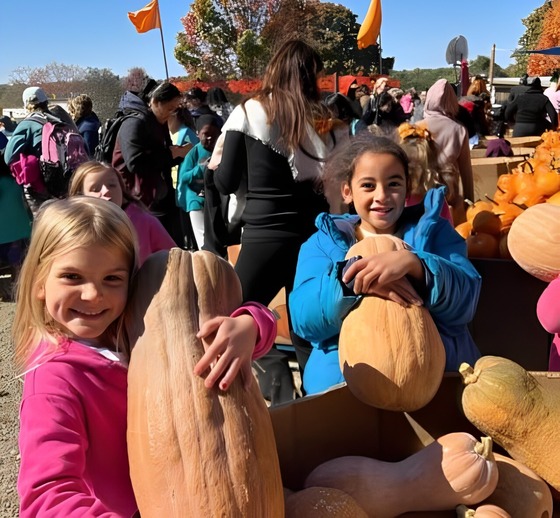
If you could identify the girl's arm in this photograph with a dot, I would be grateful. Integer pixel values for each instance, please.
(246, 335)
(317, 302)
(385, 275)
(548, 308)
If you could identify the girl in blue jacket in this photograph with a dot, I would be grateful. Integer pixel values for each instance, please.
(372, 173)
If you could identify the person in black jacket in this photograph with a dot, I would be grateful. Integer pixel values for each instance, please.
(530, 110)
(144, 153)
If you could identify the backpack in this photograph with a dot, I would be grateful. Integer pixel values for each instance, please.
(108, 136)
(62, 151)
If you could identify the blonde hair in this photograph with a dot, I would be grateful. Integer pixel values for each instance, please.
(416, 138)
(76, 184)
(62, 226)
(80, 106)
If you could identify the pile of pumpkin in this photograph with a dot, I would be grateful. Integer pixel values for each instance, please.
(537, 180)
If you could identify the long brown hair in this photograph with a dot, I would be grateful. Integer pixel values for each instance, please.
(290, 94)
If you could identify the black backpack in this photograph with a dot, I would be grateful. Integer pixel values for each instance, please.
(108, 136)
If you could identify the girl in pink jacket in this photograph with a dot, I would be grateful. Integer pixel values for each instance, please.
(72, 292)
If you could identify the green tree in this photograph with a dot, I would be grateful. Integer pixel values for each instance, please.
(481, 66)
(335, 31)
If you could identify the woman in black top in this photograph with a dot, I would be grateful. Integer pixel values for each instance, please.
(273, 147)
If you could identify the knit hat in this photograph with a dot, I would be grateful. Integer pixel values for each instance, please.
(34, 95)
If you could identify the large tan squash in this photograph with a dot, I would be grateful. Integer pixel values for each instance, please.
(534, 241)
(391, 357)
(193, 452)
(506, 402)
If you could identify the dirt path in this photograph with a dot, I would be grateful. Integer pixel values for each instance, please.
(10, 393)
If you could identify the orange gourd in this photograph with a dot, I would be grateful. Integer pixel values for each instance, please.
(464, 229)
(391, 357)
(534, 241)
(488, 222)
(455, 469)
(554, 199)
(483, 245)
(506, 402)
(474, 208)
(193, 451)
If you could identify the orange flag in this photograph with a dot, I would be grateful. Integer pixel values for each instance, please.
(146, 18)
(369, 31)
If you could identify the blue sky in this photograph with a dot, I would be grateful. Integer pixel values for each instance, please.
(97, 33)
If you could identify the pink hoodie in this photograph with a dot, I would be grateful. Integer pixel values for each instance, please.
(548, 312)
(72, 439)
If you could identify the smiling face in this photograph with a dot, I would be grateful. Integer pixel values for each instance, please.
(103, 184)
(86, 290)
(378, 191)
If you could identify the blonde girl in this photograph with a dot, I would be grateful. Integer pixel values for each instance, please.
(103, 181)
(72, 293)
(425, 172)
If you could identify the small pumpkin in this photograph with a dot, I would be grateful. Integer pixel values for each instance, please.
(193, 451)
(464, 229)
(483, 245)
(534, 241)
(488, 222)
(391, 357)
(506, 402)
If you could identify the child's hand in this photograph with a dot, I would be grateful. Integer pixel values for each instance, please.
(229, 344)
(385, 275)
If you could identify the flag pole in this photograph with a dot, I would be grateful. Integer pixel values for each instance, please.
(162, 42)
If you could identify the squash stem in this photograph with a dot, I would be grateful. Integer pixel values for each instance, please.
(464, 512)
(484, 447)
(468, 373)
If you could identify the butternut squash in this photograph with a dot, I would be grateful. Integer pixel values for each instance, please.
(520, 491)
(534, 241)
(455, 469)
(193, 451)
(507, 403)
(391, 357)
(322, 502)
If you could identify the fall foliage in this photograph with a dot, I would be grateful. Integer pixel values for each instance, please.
(541, 64)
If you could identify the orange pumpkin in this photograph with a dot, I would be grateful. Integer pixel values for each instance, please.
(477, 207)
(488, 222)
(554, 199)
(464, 229)
(483, 245)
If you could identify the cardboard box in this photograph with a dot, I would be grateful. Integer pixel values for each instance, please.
(506, 323)
(315, 429)
(487, 170)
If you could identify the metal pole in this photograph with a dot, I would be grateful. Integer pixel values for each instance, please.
(162, 43)
(380, 59)
(491, 71)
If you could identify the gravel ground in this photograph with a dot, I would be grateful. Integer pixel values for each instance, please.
(10, 393)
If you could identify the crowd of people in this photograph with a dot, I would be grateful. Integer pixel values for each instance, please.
(291, 179)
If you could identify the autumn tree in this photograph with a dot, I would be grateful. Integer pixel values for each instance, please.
(217, 45)
(222, 37)
(542, 64)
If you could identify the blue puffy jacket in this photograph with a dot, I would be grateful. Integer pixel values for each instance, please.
(318, 305)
